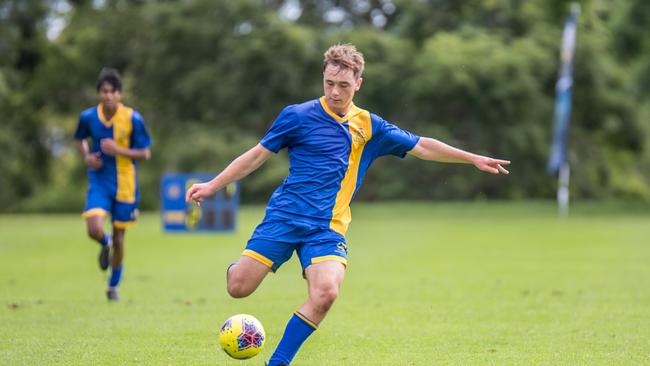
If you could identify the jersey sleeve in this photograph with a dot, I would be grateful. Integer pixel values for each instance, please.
(83, 129)
(139, 136)
(392, 139)
(284, 132)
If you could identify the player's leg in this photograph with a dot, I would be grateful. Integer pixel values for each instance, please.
(97, 207)
(117, 267)
(95, 226)
(324, 260)
(245, 275)
(123, 217)
(118, 247)
(268, 248)
(324, 281)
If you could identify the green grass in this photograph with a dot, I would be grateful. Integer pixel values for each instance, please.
(428, 284)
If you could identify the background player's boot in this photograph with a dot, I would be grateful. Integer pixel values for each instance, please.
(105, 255)
(112, 294)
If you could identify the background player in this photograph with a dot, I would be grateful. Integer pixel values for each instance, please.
(331, 145)
(119, 138)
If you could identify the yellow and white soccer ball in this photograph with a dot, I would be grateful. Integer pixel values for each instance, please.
(242, 336)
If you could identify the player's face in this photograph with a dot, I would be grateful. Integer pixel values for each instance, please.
(109, 96)
(339, 85)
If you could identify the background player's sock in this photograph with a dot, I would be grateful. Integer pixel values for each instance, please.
(297, 331)
(116, 276)
(105, 240)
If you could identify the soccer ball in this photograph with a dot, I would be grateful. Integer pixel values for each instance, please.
(242, 336)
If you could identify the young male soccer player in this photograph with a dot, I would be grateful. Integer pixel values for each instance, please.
(119, 139)
(331, 143)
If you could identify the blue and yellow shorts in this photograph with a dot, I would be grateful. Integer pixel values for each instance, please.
(100, 201)
(274, 241)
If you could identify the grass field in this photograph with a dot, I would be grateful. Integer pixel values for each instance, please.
(428, 284)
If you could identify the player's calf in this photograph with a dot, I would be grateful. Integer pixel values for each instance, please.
(95, 228)
(96, 234)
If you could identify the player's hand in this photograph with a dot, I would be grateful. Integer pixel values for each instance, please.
(198, 192)
(110, 147)
(494, 166)
(94, 160)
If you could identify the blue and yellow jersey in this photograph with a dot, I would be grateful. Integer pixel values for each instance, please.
(328, 159)
(118, 173)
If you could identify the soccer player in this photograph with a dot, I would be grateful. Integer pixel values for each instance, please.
(119, 138)
(331, 144)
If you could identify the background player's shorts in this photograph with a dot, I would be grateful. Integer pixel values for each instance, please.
(101, 201)
(274, 241)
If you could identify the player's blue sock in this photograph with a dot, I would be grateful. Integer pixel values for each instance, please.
(105, 239)
(297, 331)
(116, 276)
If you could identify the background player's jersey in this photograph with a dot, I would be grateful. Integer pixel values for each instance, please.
(328, 158)
(118, 173)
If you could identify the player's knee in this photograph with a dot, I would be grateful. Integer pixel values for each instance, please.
(325, 297)
(238, 289)
(237, 286)
(95, 233)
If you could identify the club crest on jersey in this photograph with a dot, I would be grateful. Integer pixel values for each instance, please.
(121, 136)
(359, 135)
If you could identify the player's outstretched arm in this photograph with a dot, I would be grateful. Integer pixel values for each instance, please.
(434, 150)
(245, 164)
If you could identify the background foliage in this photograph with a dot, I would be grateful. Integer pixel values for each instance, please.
(210, 76)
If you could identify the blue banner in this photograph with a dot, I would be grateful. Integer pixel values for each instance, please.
(563, 95)
(217, 213)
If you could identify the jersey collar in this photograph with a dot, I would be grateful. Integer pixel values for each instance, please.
(102, 117)
(354, 110)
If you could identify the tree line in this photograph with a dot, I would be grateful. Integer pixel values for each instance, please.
(210, 76)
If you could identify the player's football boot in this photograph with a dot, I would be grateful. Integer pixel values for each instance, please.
(105, 256)
(112, 294)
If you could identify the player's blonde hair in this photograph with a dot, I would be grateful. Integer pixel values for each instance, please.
(345, 56)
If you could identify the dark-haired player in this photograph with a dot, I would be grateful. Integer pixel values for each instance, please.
(118, 140)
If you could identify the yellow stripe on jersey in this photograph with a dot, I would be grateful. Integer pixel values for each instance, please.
(122, 129)
(360, 128)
